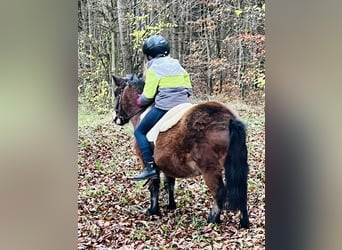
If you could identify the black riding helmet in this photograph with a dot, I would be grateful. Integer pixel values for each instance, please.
(156, 46)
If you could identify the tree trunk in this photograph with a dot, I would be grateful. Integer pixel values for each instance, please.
(112, 58)
(207, 44)
(126, 56)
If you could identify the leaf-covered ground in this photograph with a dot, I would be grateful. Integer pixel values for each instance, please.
(112, 208)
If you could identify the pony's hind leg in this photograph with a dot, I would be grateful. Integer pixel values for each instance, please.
(154, 191)
(217, 189)
(170, 187)
(244, 219)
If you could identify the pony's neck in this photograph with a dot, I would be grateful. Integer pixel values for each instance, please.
(135, 120)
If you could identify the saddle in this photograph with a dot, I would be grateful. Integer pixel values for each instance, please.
(167, 121)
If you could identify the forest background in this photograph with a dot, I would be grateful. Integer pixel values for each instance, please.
(220, 43)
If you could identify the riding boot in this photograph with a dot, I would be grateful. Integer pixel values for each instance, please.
(149, 172)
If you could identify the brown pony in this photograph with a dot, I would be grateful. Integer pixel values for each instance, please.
(208, 138)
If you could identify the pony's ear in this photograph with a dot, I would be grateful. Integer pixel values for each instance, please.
(134, 78)
(117, 80)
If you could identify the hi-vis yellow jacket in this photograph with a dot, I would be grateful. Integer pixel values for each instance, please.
(167, 83)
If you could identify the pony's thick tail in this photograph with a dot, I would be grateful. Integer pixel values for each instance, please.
(236, 167)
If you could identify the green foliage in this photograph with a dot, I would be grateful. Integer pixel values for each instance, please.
(198, 223)
(96, 95)
(139, 234)
(165, 229)
(261, 82)
(99, 165)
(139, 35)
(94, 88)
(238, 12)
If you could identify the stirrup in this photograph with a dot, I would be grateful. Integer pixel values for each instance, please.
(148, 173)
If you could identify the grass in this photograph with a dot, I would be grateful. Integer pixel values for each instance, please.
(87, 119)
(94, 191)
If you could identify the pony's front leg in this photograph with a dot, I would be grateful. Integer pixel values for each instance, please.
(170, 187)
(154, 190)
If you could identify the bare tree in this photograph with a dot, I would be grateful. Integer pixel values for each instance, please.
(124, 41)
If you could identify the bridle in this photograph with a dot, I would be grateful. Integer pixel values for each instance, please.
(122, 117)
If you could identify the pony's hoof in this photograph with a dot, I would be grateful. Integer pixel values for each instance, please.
(244, 224)
(171, 206)
(151, 212)
(225, 206)
(214, 219)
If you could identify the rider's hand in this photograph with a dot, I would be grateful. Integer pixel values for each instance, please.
(138, 101)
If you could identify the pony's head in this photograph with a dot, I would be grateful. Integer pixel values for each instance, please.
(126, 92)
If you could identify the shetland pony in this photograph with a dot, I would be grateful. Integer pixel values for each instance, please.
(208, 139)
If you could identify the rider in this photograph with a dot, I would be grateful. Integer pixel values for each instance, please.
(168, 84)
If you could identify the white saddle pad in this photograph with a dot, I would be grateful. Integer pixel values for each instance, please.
(167, 121)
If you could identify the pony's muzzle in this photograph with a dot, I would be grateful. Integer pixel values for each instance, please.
(117, 120)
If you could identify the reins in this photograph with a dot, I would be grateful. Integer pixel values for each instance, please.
(130, 116)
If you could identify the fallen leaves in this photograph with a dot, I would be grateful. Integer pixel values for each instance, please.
(112, 208)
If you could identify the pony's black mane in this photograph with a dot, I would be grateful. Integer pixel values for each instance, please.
(135, 80)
